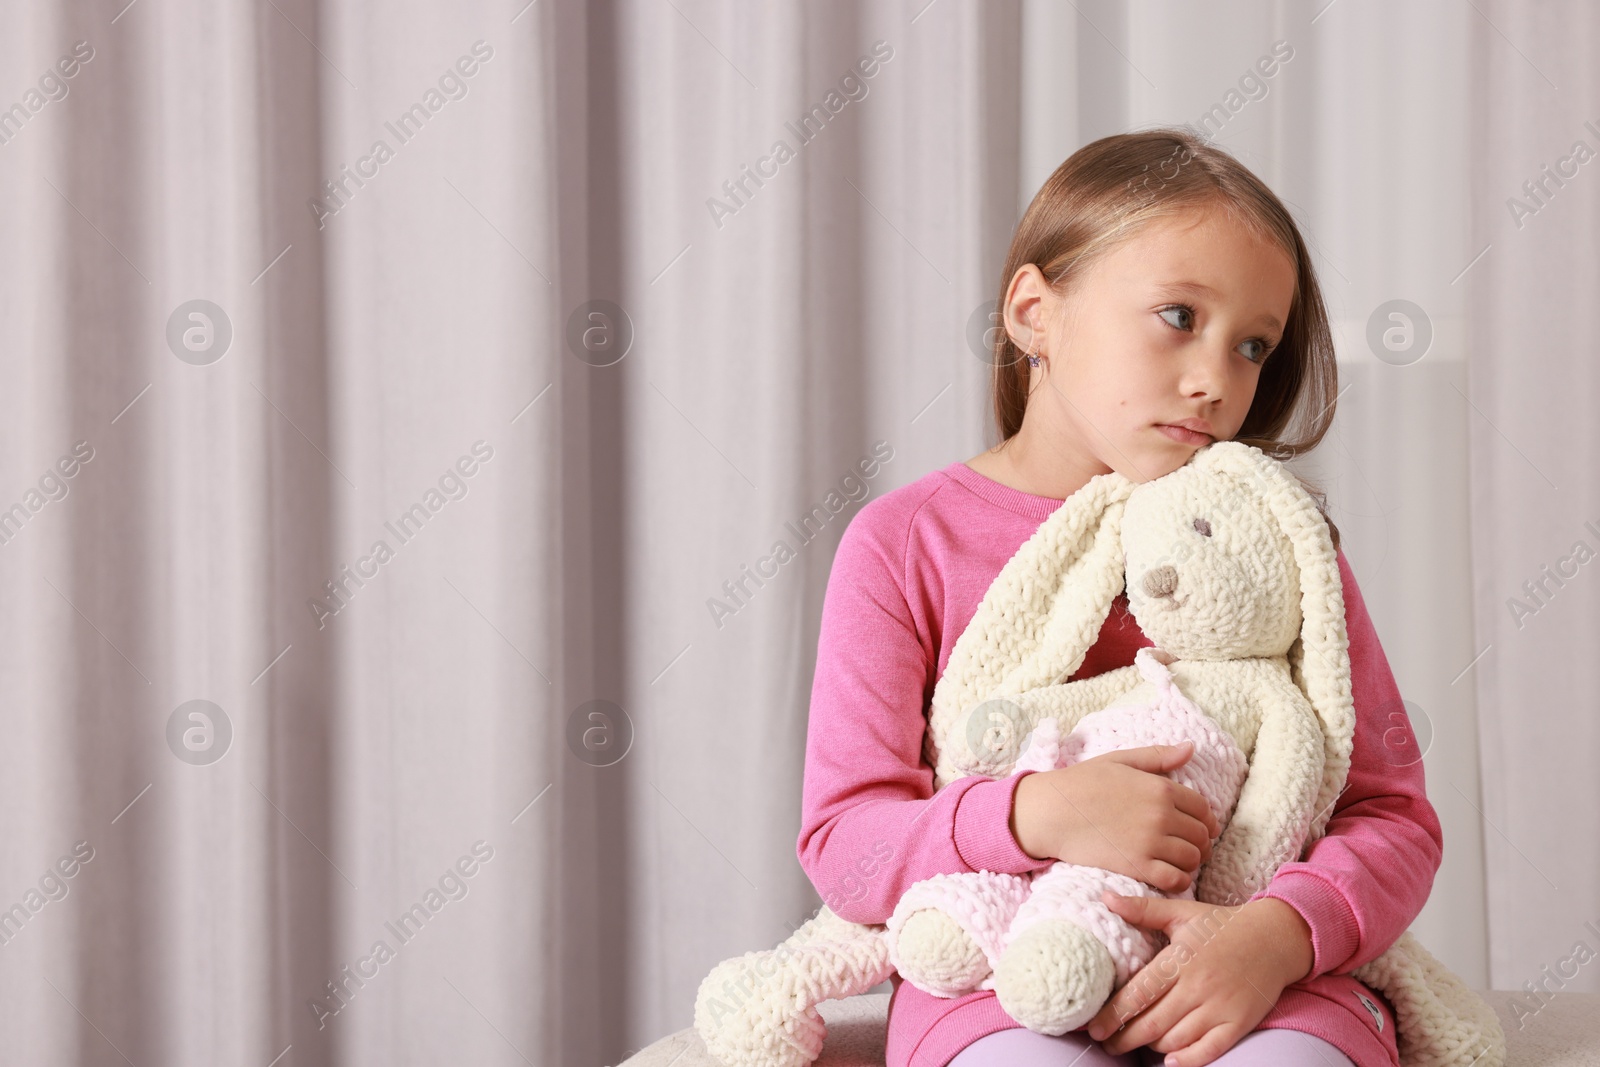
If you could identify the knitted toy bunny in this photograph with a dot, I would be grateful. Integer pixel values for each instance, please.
(1047, 945)
(1226, 591)
(1232, 573)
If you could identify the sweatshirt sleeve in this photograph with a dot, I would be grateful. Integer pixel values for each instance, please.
(871, 825)
(1363, 883)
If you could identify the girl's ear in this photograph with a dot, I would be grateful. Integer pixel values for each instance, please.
(1042, 613)
(1319, 660)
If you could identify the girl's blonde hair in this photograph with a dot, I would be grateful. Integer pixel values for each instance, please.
(1104, 194)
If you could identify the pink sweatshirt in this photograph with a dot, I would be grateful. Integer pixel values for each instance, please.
(910, 570)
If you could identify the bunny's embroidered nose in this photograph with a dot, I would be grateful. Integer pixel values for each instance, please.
(1161, 582)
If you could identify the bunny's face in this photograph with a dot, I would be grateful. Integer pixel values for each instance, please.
(1211, 575)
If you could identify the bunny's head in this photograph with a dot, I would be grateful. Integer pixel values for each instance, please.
(1210, 556)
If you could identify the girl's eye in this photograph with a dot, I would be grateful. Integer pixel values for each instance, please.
(1184, 309)
(1263, 346)
(1203, 527)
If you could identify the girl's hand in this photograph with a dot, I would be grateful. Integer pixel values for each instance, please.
(1218, 977)
(1120, 812)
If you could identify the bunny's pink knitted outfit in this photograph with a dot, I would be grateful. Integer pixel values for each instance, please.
(909, 573)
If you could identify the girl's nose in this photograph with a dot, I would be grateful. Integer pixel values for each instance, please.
(1160, 582)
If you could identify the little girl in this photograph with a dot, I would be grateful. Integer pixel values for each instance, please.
(1157, 296)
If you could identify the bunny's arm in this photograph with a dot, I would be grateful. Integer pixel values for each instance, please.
(989, 737)
(1071, 701)
(1268, 825)
(1366, 879)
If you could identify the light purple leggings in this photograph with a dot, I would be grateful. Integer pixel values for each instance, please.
(1018, 1047)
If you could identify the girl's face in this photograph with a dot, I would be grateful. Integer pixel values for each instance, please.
(1172, 325)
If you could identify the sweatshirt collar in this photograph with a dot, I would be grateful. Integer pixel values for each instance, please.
(1037, 508)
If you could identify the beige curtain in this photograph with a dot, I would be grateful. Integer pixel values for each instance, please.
(404, 405)
(506, 371)
(1535, 495)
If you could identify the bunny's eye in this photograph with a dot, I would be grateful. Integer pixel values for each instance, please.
(1203, 527)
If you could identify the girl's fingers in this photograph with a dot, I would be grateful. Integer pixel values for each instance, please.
(1195, 806)
(1187, 1031)
(1147, 1026)
(1150, 913)
(1181, 853)
(1216, 1041)
(1126, 1020)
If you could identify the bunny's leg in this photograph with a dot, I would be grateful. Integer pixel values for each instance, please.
(762, 1007)
(1066, 951)
(947, 931)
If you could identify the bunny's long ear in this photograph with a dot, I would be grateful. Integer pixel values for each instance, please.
(1319, 660)
(1040, 616)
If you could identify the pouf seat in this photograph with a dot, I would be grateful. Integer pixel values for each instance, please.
(1564, 1033)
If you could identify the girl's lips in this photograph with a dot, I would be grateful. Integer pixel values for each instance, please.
(1188, 437)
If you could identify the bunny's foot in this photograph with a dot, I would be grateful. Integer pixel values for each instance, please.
(947, 930)
(937, 956)
(1054, 976)
(760, 1009)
